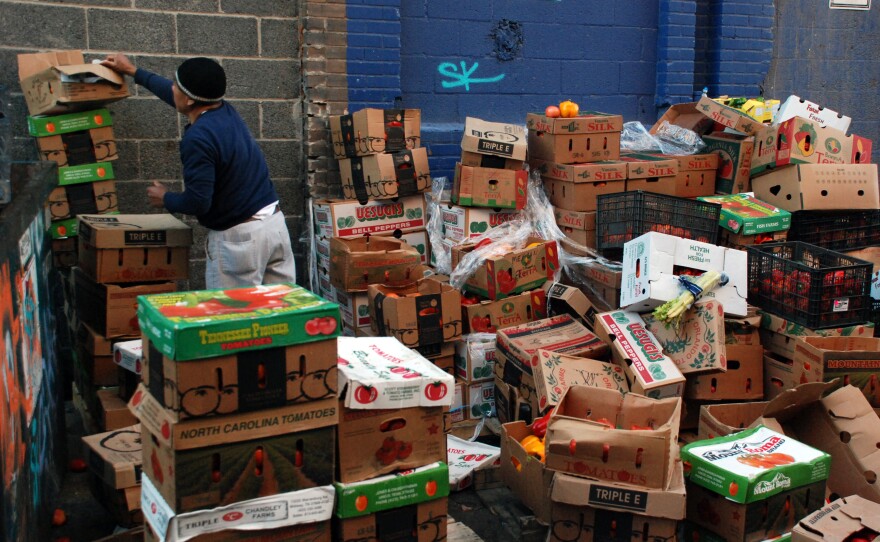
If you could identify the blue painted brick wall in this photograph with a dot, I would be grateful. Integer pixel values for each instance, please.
(373, 53)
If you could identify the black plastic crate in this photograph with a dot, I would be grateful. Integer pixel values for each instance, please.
(809, 285)
(624, 216)
(836, 230)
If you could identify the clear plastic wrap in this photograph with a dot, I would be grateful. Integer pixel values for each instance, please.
(669, 139)
(441, 256)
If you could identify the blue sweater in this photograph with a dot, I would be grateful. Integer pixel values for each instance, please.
(226, 179)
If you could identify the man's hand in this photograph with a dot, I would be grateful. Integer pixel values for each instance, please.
(156, 194)
(118, 62)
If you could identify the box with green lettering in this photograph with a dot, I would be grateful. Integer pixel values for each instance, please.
(218, 460)
(208, 323)
(383, 508)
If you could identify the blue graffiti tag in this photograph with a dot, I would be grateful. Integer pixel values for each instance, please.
(464, 78)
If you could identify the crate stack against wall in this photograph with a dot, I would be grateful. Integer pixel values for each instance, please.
(384, 172)
(238, 412)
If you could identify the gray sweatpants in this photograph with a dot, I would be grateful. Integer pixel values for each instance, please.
(252, 253)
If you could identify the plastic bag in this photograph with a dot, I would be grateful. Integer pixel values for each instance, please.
(440, 253)
(669, 139)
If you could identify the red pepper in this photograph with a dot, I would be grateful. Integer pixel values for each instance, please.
(539, 426)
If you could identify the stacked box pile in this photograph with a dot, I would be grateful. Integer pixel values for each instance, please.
(238, 412)
(384, 172)
(392, 479)
(121, 257)
(114, 460)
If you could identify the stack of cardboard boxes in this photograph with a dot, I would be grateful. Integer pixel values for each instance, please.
(392, 479)
(238, 412)
(384, 172)
(120, 258)
(114, 460)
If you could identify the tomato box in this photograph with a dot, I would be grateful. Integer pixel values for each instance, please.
(475, 357)
(413, 486)
(563, 334)
(111, 309)
(489, 316)
(578, 227)
(684, 115)
(510, 406)
(847, 518)
(476, 159)
(609, 436)
(129, 355)
(735, 161)
(417, 239)
(466, 460)
(556, 372)
(743, 329)
(494, 138)
(89, 146)
(350, 218)
(95, 355)
(652, 173)
(565, 299)
(764, 151)
(586, 122)
(728, 117)
(801, 141)
(755, 464)
(795, 106)
(746, 215)
(375, 131)
(507, 270)
(850, 360)
(423, 522)
(385, 176)
(526, 475)
(779, 335)
(134, 248)
(98, 197)
(460, 223)
(319, 531)
(696, 174)
(267, 514)
(377, 442)
(85, 173)
(574, 148)
(115, 456)
(649, 261)
(697, 345)
(478, 400)
(381, 373)
(123, 505)
(635, 349)
(208, 323)
(490, 187)
(778, 375)
(112, 412)
(242, 382)
(423, 313)
(743, 380)
(357, 263)
(820, 187)
(576, 186)
(57, 125)
(721, 419)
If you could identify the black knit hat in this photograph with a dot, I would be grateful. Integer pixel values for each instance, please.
(202, 79)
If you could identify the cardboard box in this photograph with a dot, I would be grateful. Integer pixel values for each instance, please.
(721, 419)
(779, 335)
(579, 227)
(111, 309)
(649, 260)
(490, 316)
(422, 484)
(687, 116)
(586, 122)
(489, 187)
(319, 531)
(112, 412)
(849, 360)
(562, 334)
(307, 508)
(728, 116)
(123, 505)
(494, 138)
(460, 223)
(85, 173)
(95, 355)
(65, 202)
(759, 108)
(115, 456)
(385, 176)
(467, 459)
(868, 254)
(652, 173)
(476, 159)
(778, 375)
(134, 248)
(246, 381)
(375, 131)
(743, 330)
(526, 476)
(696, 174)
(510, 406)
(556, 372)
(735, 161)
(377, 442)
(422, 313)
(602, 434)
(93, 146)
(574, 148)
(381, 373)
(417, 239)
(768, 519)
(277, 315)
(61, 81)
(478, 400)
(743, 380)
(746, 215)
(843, 519)
(357, 263)
(820, 187)
(697, 346)
(801, 141)
(507, 271)
(475, 357)
(354, 307)
(635, 349)
(349, 219)
(565, 299)
(764, 151)
(424, 522)
(795, 106)
(129, 355)
(584, 172)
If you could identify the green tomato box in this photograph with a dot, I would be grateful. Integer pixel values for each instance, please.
(746, 215)
(755, 464)
(390, 491)
(207, 323)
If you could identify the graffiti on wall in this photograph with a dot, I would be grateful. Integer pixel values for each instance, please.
(464, 78)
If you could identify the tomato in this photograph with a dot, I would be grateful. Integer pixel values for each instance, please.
(365, 394)
(404, 449)
(568, 109)
(552, 111)
(327, 325)
(435, 391)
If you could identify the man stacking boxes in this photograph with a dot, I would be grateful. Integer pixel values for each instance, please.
(238, 406)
